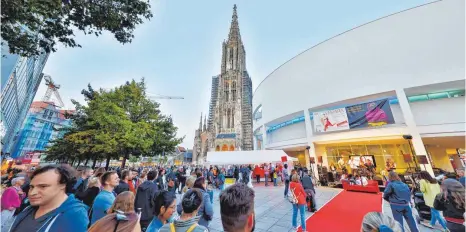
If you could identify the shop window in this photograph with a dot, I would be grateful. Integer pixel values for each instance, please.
(225, 147)
(217, 148)
(344, 151)
(232, 148)
(437, 95)
(358, 150)
(418, 98)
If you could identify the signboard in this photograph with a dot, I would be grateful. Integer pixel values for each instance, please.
(284, 159)
(331, 120)
(370, 114)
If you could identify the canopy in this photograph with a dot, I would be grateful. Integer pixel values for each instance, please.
(247, 157)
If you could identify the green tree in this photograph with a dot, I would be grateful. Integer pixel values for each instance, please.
(122, 122)
(30, 26)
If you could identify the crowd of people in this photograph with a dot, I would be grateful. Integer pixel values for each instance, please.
(60, 198)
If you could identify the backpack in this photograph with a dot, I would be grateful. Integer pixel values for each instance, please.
(291, 197)
(190, 229)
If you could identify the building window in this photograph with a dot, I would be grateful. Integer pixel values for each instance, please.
(227, 91)
(228, 118)
(45, 113)
(258, 113)
(233, 91)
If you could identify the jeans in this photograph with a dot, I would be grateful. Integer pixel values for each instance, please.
(222, 187)
(435, 215)
(258, 178)
(302, 213)
(211, 196)
(287, 186)
(266, 179)
(404, 211)
(274, 181)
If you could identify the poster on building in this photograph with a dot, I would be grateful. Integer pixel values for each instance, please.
(331, 120)
(370, 114)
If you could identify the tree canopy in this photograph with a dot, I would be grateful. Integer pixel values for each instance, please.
(30, 27)
(119, 123)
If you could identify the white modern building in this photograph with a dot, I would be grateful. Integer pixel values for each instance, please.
(359, 92)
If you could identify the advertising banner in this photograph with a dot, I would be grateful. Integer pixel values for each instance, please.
(370, 114)
(331, 120)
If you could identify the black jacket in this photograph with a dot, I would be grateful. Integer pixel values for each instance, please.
(123, 186)
(448, 207)
(144, 195)
(88, 196)
(159, 182)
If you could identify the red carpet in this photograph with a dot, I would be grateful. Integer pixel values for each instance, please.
(344, 212)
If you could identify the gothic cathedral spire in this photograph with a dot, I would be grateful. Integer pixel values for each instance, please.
(234, 34)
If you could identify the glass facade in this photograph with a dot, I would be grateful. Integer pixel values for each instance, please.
(20, 80)
(40, 127)
(382, 152)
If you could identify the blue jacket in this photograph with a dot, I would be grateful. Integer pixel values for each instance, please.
(397, 193)
(205, 210)
(71, 216)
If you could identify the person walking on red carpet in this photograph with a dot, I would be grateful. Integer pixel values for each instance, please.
(298, 191)
(399, 196)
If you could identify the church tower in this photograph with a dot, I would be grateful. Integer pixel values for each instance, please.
(229, 123)
(233, 113)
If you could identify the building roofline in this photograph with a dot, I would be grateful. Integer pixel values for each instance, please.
(399, 12)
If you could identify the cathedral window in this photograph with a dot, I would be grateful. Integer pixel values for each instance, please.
(233, 118)
(229, 118)
(233, 91)
(227, 91)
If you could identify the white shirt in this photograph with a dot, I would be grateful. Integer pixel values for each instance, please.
(364, 180)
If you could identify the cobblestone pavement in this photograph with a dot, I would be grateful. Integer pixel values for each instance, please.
(273, 211)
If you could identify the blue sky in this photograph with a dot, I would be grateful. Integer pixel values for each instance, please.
(179, 49)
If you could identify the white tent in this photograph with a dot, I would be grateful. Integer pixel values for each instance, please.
(247, 157)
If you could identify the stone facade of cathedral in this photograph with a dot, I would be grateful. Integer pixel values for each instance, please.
(229, 126)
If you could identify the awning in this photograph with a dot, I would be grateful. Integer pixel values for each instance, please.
(247, 157)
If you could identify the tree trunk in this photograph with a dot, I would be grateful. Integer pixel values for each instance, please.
(79, 162)
(108, 162)
(87, 161)
(95, 162)
(123, 163)
(72, 162)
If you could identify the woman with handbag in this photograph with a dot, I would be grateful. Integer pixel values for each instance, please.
(299, 202)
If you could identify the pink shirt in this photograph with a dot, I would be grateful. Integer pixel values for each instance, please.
(10, 198)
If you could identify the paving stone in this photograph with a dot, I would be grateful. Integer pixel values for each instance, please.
(276, 228)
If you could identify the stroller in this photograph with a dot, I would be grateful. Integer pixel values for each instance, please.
(310, 205)
(419, 203)
(421, 207)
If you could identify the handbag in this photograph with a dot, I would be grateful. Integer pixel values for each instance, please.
(292, 197)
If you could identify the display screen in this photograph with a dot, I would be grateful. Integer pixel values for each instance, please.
(356, 160)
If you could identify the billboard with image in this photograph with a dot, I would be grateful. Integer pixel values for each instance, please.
(331, 120)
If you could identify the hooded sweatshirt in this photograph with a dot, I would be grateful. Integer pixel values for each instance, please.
(183, 226)
(145, 194)
(72, 215)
